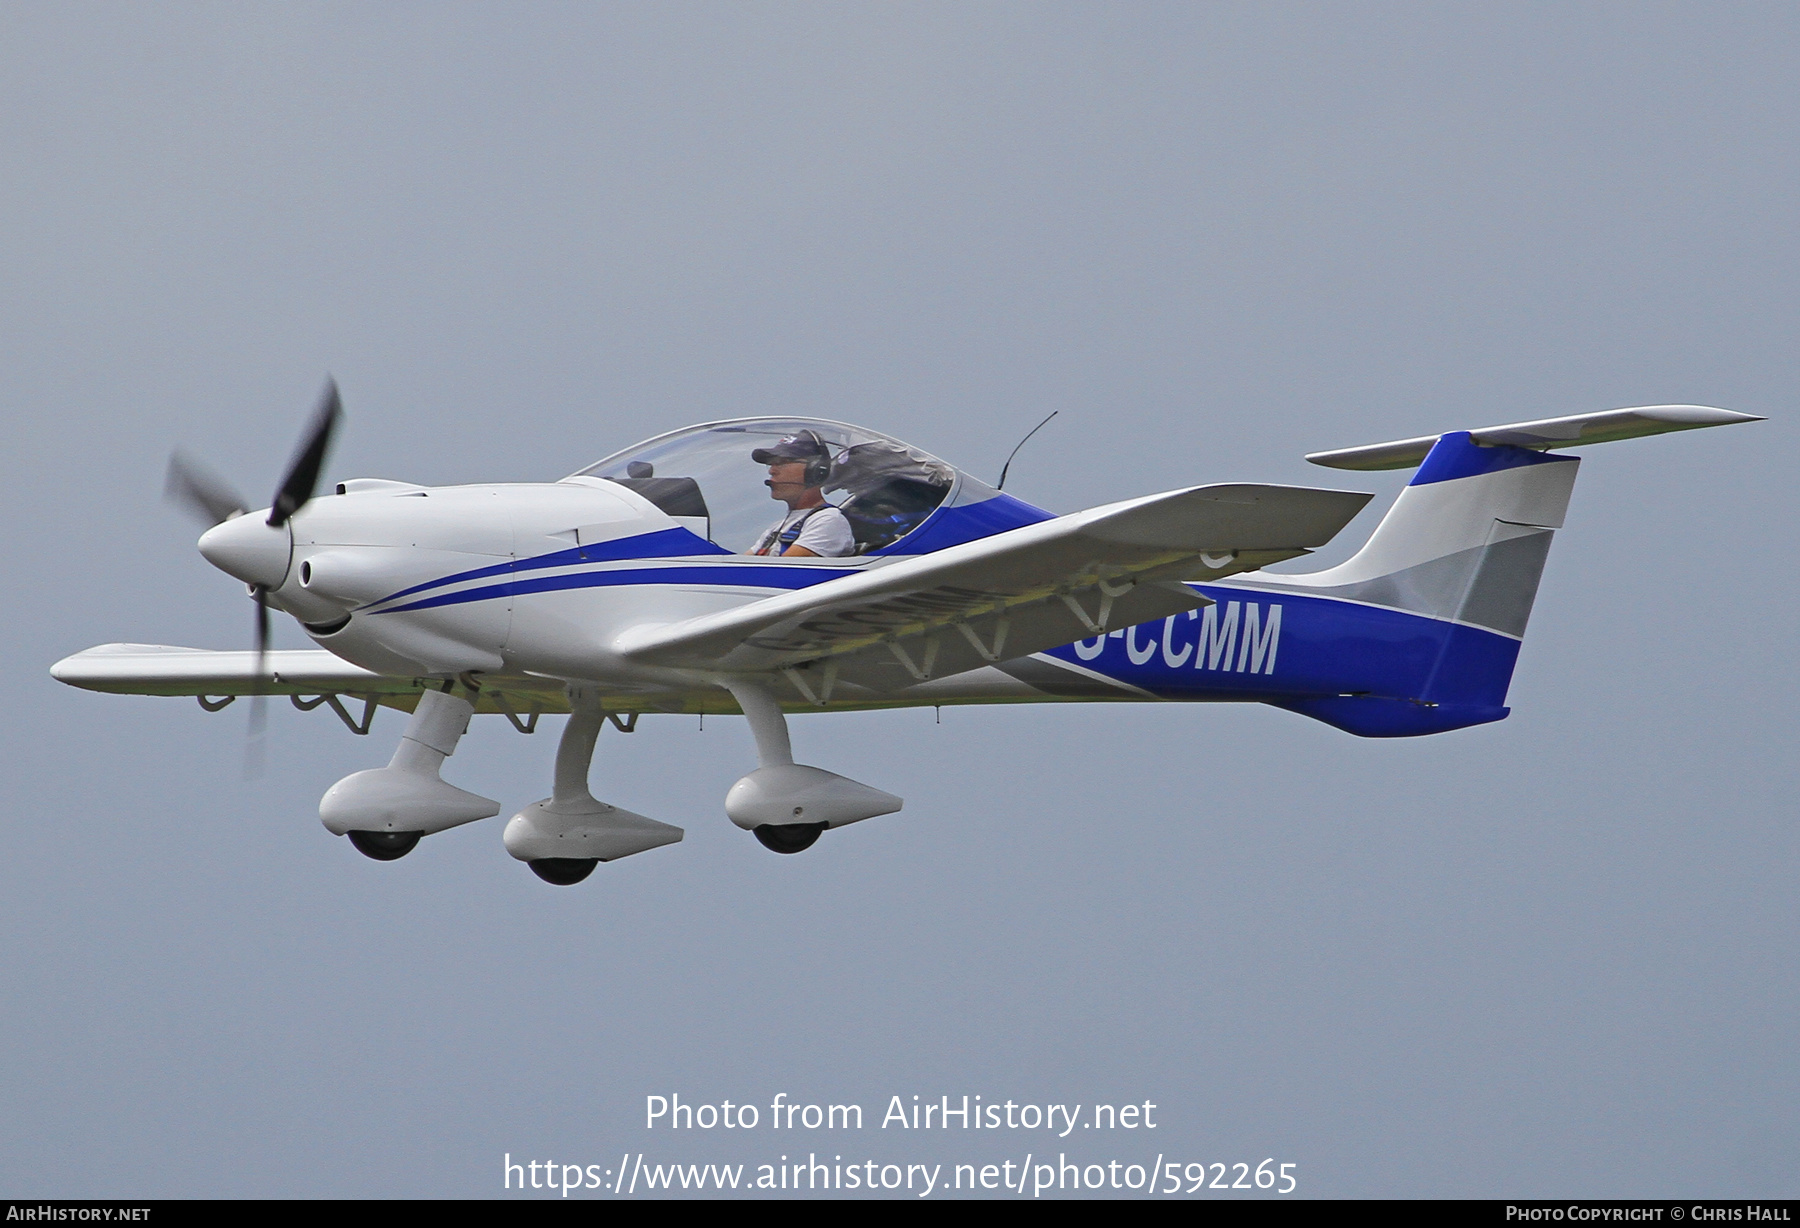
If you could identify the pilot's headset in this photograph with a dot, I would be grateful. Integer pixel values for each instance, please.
(818, 466)
(817, 455)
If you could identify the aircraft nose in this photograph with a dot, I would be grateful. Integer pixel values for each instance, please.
(248, 548)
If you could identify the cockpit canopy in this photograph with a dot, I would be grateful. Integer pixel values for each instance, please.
(705, 477)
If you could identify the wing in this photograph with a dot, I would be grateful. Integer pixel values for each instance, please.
(159, 669)
(1008, 595)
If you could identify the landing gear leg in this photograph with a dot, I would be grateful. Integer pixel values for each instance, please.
(386, 810)
(563, 837)
(787, 805)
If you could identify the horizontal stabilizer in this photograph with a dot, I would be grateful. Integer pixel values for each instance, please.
(1574, 431)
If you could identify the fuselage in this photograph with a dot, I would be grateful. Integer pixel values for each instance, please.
(536, 582)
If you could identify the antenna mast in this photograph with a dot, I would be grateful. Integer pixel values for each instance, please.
(1001, 485)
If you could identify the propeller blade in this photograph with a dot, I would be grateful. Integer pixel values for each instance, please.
(211, 498)
(261, 597)
(201, 492)
(259, 712)
(303, 472)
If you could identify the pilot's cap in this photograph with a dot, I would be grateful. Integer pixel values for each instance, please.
(806, 446)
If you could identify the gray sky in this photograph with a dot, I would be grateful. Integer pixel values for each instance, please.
(1550, 956)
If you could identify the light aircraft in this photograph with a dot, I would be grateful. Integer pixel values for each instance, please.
(627, 589)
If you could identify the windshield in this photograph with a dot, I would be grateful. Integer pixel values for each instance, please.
(707, 477)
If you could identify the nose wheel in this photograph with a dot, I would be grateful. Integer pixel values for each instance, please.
(788, 837)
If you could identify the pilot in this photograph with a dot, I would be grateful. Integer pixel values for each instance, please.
(798, 466)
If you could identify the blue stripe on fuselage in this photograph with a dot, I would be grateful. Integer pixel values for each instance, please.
(664, 543)
(739, 576)
(944, 528)
(1323, 647)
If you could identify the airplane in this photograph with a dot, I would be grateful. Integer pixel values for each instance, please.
(629, 588)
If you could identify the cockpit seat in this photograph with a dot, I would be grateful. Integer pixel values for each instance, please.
(882, 516)
(892, 490)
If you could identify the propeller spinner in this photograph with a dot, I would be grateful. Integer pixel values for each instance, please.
(256, 549)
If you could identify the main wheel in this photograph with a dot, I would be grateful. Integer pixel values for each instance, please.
(385, 845)
(563, 871)
(788, 837)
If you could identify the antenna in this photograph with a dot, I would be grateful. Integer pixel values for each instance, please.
(1001, 485)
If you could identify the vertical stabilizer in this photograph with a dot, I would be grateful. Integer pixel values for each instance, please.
(1463, 549)
(1465, 541)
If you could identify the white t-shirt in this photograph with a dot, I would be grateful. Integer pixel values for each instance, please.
(826, 533)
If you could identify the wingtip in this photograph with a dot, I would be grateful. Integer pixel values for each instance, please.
(1694, 415)
(1375, 458)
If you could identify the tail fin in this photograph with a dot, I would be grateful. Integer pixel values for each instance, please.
(1465, 541)
(1464, 546)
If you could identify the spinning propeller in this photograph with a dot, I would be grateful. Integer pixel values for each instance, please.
(255, 551)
